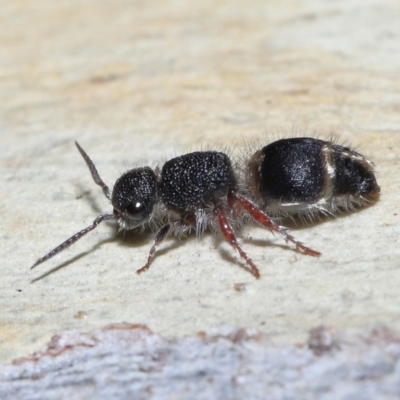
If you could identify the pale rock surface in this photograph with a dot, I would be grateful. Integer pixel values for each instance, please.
(130, 362)
(138, 82)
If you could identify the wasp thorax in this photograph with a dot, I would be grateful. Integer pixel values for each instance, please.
(196, 180)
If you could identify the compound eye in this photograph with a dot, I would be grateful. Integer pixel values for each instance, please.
(135, 210)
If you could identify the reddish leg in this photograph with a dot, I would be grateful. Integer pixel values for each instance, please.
(161, 235)
(230, 236)
(235, 199)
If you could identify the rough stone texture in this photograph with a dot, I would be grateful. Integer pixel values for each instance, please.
(131, 362)
(136, 81)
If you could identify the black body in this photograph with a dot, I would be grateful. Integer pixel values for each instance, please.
(300, 172)
(134, 196)
(199, 190)
(195, 180)
(292, 170)
(354, 175)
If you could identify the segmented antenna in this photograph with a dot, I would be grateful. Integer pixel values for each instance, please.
(93, 171)
(74, 238)
(96, 222)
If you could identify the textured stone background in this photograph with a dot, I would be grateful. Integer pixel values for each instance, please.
(126, 361)
(138, 81)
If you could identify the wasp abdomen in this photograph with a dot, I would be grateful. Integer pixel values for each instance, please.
(300, 175)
